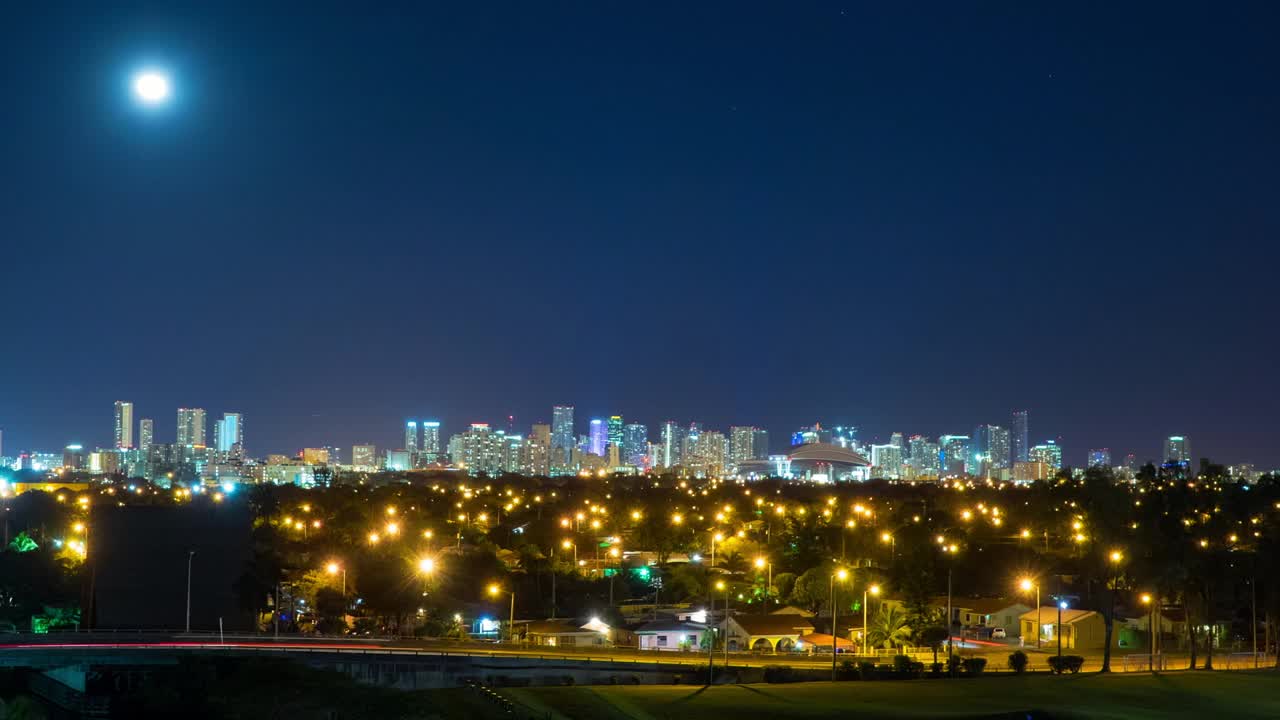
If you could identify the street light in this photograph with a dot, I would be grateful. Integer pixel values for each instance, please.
(334, 568)
(841, 575)
(1027, 584)
(714, 539)
(566, 544)
(1151, 632)
(427, 566)
(763, 563)
(1062, 605)
(951, 549)
(495, 590)
(874, 590)
(724, 624)
(190, 556)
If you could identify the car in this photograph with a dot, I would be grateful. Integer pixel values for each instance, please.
(998, 634)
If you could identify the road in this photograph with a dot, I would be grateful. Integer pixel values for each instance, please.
(14, 647)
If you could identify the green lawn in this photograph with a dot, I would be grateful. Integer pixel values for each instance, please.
(1206, 696)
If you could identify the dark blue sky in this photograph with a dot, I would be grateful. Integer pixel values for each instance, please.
(911, 217)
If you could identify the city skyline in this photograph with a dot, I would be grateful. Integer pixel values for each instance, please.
(995, 443)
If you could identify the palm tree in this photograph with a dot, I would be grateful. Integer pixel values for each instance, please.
(889, 627)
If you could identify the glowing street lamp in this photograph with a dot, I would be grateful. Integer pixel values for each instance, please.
(874, 590)
(1151, 631)
(334, 568)
(426, 566)
(1027, 585)
(763, 563)
(496, 590)
(841, 574)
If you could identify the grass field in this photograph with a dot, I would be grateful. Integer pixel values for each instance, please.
(1172, 695)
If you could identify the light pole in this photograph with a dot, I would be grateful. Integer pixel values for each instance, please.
(1062, 605)
(711, 638)
(1027, 584)
(1151, 632)
(874, 590)
(724, 624)
(892, 542)
(761, 564)
(511, 617)
(571, 544)
(841, 575)
(951, 549)
(190, 556)
(334, 568)
(714, 539)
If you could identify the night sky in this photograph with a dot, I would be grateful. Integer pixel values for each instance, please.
(912, 217)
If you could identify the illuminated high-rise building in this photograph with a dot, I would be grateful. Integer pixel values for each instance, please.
(741, 444)
(956, 456)
(430, 447)
(364, 457)
(886, 461)
(760, 444)
(228, 436)
(191, 427)
(635, 445)
(672, 444)
(146, 434)
(1050, 453)
(615, 430)
(923, 454)
(1177, 450)
(537, 451)
(124, 425)
(1021, 450)
(562, 437)
(991, 447)
(411, 437)
(599, 434)
(1100, 457)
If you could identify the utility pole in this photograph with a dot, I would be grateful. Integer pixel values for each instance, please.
(190, 556)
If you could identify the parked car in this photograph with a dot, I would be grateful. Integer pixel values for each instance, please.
(998, 633)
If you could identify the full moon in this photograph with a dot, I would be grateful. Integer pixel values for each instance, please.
(151, 87)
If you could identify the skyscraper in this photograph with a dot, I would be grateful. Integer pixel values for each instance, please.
(741, 444)
(124, 425)
(1100, 457)
(562, 437)
(430, 447)
(924, 456)
(672, 444)
(1177, 449)
(760, 444)
(411, 437)
(635, 445)
(956, 456)
(191, 426)
(615, 430)
(991, 446)
(1021, 450)
(228, 436)
(599, 435)
(887, 460)
(146, 433)
(1050, 453)
(364, 457)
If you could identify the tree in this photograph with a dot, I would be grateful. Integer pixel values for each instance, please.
(933, 636)
(889, 627)
(812, 588)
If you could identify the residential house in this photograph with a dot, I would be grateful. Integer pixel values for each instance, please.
(766, 633)
(563, 633)
(1081, 629)
(669, 635)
